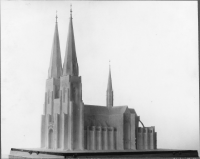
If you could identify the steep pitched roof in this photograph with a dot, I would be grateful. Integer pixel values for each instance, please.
(55, 67)
(119, 109)
(102, 110)
(94, 109)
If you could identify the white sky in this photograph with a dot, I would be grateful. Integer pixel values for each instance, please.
(153, 48)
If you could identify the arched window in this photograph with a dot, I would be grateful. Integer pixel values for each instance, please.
(56, 92)
(73, 91)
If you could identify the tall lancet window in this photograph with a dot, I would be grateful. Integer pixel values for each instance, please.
(73, 91)
(56, 92)
(48, 97)
(64, 94)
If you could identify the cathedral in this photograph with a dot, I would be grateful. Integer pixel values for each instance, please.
(69, 124)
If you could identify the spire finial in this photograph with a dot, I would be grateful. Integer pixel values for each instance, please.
(56, 16)
(70, 10)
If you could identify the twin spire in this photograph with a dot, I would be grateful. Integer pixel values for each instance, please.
(70, 66)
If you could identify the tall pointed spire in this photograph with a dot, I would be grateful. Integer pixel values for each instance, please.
(70, 66)
(109, 87)
(109, 95)
(55, 67)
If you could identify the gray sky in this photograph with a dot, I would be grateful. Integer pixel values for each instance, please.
(153, 48)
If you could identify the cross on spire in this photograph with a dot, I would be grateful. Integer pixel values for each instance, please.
(70, 10)
(56, 17)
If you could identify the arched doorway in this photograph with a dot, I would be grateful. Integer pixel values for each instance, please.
(51, 139)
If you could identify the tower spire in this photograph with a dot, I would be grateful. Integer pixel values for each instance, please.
(109, 87)
(55, 67)
(70, 66)
(109, 95)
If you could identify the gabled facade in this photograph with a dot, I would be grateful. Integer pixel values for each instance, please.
(69, 124)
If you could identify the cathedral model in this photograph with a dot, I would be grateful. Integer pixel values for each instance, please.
(69, 124)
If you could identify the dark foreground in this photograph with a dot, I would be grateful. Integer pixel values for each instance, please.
(44, 153)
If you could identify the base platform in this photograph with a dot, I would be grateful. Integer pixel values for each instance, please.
(46, 153)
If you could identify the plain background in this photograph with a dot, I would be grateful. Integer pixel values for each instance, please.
(153, 48)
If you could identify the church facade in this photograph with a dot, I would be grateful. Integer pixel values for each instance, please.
(69, 124)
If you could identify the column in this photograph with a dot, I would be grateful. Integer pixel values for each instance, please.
(115, 138)
(151, 139)
(155, 140)
(56, 131)
(140, 138)
(133, 128)
(47, 131)
(81, 125)
(52, 104)
(66, 134)
(105, 138)
(70, 126)
(85, 137)
(99, 138)
(88, 138)
(93, 137)
(111, 138)
(43, 131)
(146, 138)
